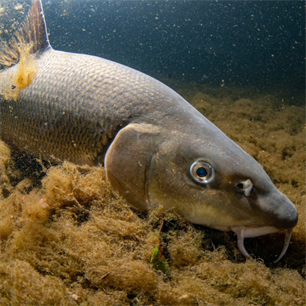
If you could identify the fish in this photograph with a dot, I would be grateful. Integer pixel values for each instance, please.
(156, 148)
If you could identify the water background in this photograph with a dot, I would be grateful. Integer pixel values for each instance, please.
(251, 44)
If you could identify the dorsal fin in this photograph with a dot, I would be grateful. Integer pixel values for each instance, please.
(32, 32)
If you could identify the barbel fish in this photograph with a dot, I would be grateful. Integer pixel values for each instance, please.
(156, 148)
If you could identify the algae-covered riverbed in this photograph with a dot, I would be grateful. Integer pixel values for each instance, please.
(67, 238)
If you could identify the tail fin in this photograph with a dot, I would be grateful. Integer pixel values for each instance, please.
(32, 31)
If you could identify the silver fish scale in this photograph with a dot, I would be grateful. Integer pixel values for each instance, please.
(76, 105)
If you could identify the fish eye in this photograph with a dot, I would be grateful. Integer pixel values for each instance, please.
(202, 172)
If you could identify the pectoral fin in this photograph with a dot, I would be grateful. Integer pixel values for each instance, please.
(127, 162)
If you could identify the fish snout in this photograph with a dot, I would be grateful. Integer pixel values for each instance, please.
(280, 215)
(284, 213)
(289, 219)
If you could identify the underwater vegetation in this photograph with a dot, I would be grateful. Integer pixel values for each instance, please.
(67, 238)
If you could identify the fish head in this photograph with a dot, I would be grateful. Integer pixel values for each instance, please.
(216, 184)
(205, 177)
(211, 181)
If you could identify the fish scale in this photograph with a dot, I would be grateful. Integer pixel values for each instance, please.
(68, 103)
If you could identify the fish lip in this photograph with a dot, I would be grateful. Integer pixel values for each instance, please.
(250, 232)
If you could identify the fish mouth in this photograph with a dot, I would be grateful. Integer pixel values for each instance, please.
(249, 232)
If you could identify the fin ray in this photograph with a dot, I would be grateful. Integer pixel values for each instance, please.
(32, 31)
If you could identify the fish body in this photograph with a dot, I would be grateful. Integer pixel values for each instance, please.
(156, 148)
(83, 102)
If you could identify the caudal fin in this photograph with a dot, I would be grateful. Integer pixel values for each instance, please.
(32, 32)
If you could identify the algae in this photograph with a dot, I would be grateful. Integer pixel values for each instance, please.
(26, 69)
(67, 238)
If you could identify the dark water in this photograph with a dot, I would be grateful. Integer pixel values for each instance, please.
(258, 44)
